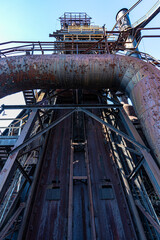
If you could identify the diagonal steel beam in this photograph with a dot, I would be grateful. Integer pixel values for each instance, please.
(148, 216)
(130, 139)
(11, 221)
(9, 167)
(31, 139)
(23, 171)
(135, 170)
(149, 163)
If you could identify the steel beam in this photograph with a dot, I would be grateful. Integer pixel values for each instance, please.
(6, 228)
(70, 200)
(23, 171)
(44, 130)
(21, 234)
(135, 170)
(36, 148)
(91, 206)
(149, 163)
(129, 195)
(9, 167)
(60, 106)
(8, 140)
(12, 206)
(139, 145)
(148, 216)
(129, 149)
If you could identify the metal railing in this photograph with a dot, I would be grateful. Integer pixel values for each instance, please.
(91, 28)
(76, 45)
(14, 127)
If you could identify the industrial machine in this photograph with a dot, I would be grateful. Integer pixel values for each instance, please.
(82, 158)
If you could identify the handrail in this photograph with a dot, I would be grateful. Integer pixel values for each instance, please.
(31, 47)
(12, 126)
(148, 15)
(149, 58)
(126, 13)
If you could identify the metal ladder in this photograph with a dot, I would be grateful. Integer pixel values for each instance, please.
(79, 142)
(29, 97)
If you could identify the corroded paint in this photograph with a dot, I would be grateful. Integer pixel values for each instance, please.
(48, 218)
(140, 80)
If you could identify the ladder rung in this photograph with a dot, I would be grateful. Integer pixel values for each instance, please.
(77, 144)
(79, 177)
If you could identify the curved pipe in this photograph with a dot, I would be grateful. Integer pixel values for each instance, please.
(140, 80)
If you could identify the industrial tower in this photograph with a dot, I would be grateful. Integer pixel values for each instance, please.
(82, 159)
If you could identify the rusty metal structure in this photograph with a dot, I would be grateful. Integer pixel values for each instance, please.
(82, 158)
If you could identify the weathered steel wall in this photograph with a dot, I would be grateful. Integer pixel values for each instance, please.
(48, 216)
(140, 80)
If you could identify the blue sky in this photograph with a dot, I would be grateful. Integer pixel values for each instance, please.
(35, 19)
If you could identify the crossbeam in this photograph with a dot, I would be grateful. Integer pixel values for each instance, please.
(60, 106)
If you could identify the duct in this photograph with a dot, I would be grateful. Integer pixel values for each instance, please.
(140, 81)
(125, 24)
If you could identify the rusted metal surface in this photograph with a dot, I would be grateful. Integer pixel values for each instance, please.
(91, 207)
(116, 157)
(111, 215)
(140, 80)
(48, 219)
(70, 200)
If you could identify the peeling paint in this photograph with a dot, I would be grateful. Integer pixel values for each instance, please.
(140, 80)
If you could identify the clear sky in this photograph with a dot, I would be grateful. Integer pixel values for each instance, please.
(35, 19)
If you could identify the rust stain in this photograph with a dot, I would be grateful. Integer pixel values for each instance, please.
(95, 72)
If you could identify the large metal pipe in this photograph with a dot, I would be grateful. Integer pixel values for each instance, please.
(140, 80)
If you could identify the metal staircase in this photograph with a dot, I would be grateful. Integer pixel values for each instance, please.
(29, 97)
(3, 155)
